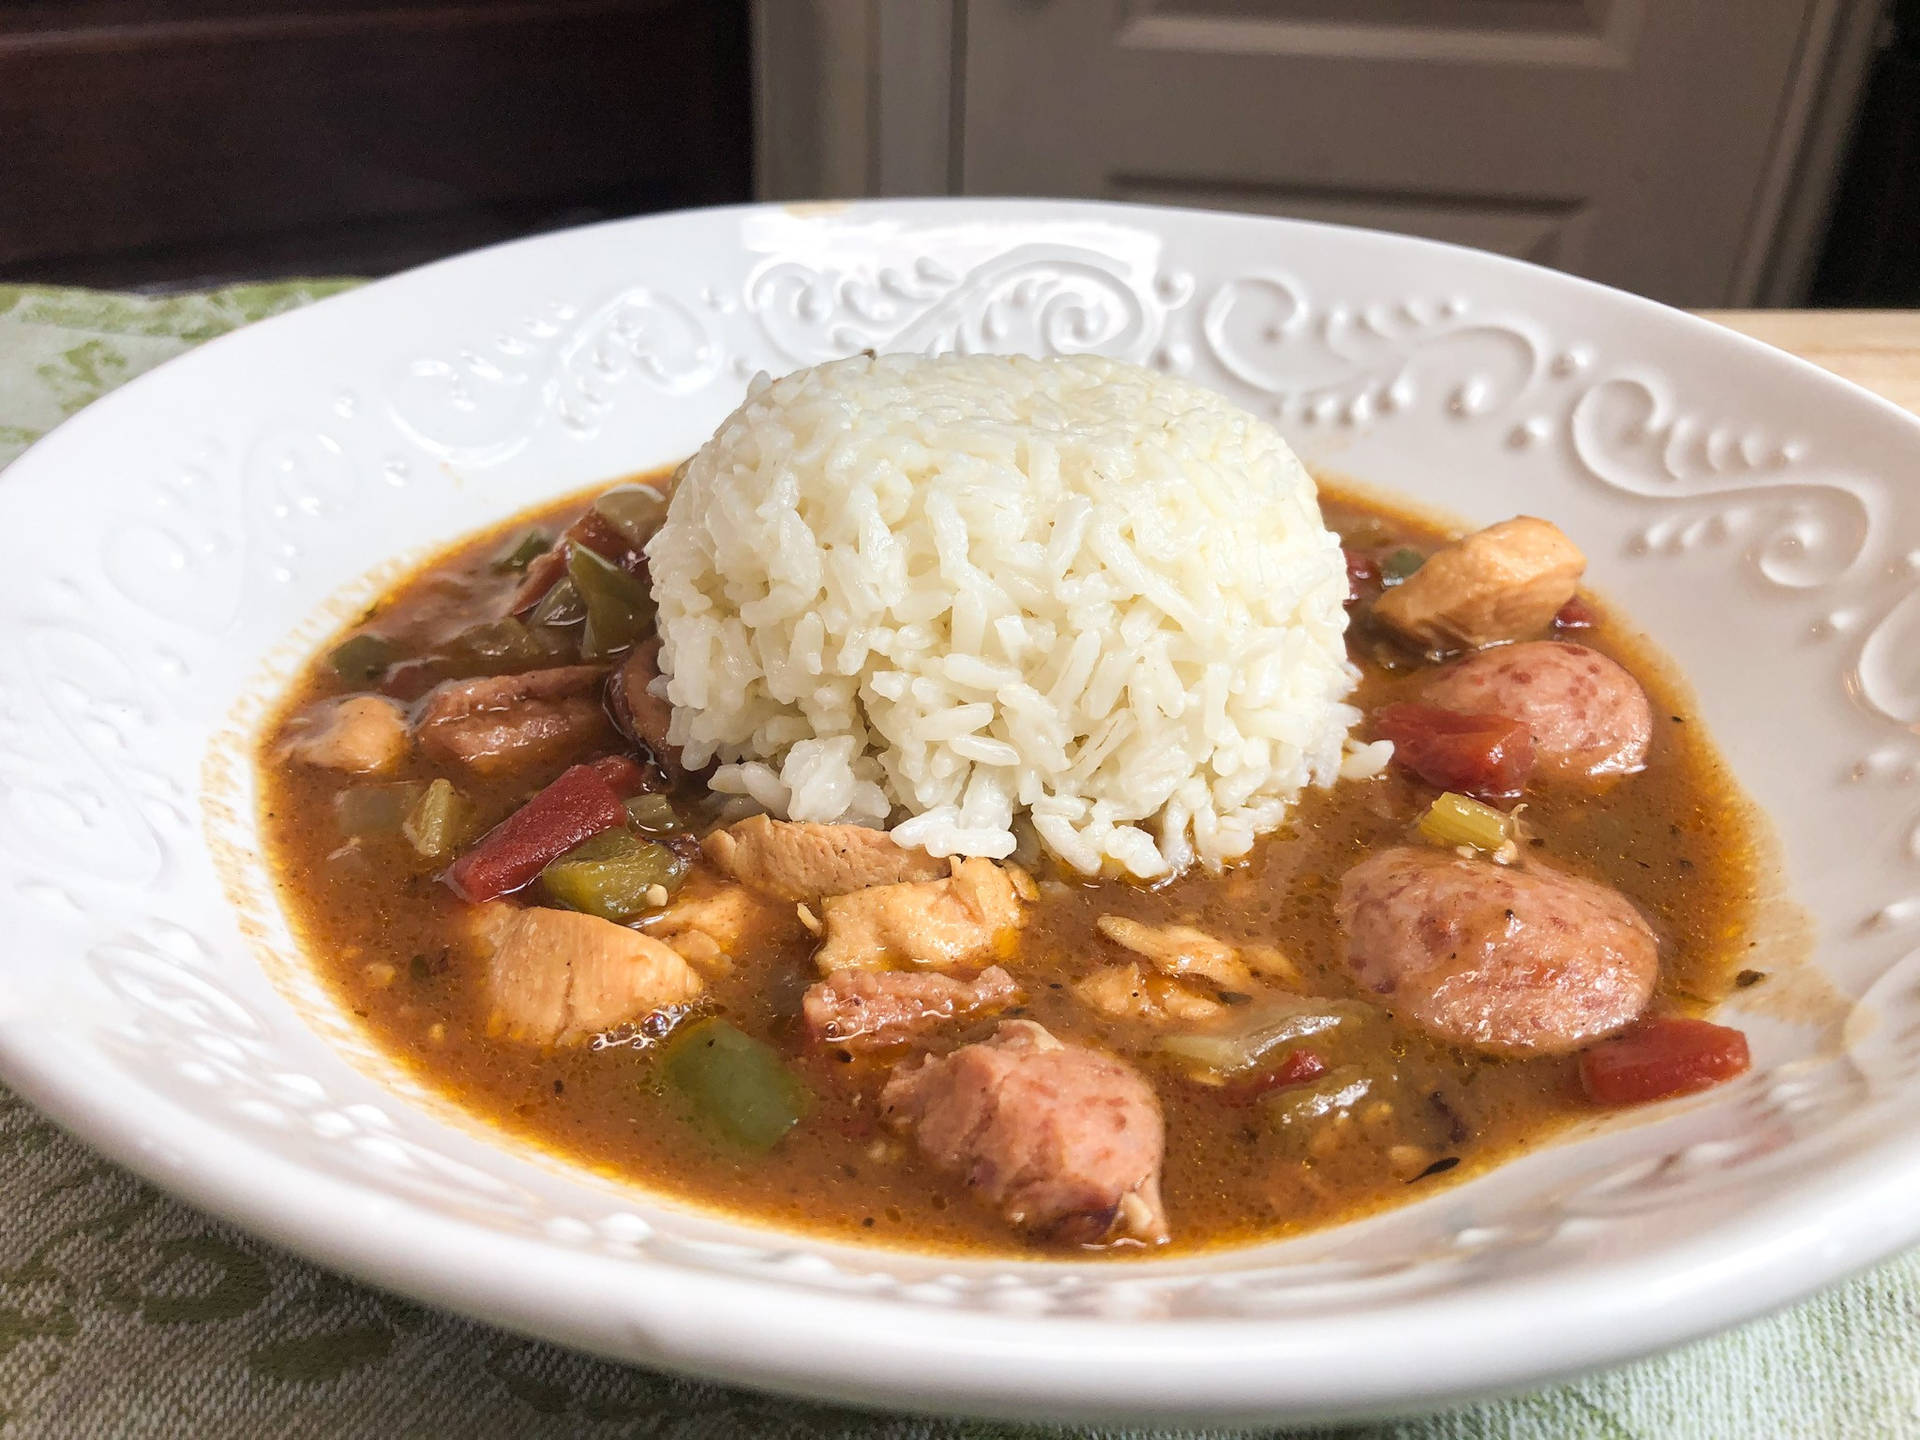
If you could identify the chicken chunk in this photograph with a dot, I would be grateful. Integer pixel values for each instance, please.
(1179, 950)
(499, 722)
(803, 861)
(1505, 582)
(961, 920)
(1064, 1141)
(711, 921)
(1511, 961)
(362, 734)
(556, 977)
(872, 1009)
(1133, 992)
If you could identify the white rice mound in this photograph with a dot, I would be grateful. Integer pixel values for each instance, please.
(952, 592)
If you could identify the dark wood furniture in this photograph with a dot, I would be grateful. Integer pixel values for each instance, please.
(1871, 256)
(174, 142)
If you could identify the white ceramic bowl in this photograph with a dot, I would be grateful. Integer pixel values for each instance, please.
(175, 551)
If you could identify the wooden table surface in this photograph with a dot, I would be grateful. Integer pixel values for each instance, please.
(1879, 349)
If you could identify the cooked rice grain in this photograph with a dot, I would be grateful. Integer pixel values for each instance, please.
(954, 592)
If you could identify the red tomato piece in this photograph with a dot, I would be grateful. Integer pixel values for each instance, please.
(582, 803)
(1576, 614)
(1485, 755)
(1363, 575)
(626, 775)
(1658, 1058)
(1299, 1067)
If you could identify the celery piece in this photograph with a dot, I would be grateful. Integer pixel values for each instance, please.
(654, 814)
(523, 552)
(362, 659)
(613, 875)
(376, 812)
(439, 822)
(619, 609)
(1454, 820)
(1402, 563)
(636, 511)
(740, 1088)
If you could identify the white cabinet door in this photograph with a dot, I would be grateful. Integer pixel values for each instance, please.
(1639, 142)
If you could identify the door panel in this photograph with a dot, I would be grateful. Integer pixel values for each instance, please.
(1544, 232)
(1593, 32)
(1622, 139)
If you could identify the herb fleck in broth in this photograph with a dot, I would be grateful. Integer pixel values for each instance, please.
(390, 938)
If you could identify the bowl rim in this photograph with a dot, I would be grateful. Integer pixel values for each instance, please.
(850, 1348)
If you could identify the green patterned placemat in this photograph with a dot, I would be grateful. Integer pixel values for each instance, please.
(123, 1313)
(60, 349)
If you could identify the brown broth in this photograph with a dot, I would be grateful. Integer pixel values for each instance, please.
(384, 932)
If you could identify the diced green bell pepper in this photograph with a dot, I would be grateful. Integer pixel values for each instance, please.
(440, 821)
(654, 814)
(613, 875)
(362, 659)
(496, 643)
(636, 511)
(1402, 563)
(523, 552)
(739, 1086)
(558, 608)
(619, 609)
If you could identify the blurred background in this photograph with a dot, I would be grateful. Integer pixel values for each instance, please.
(1704, 152)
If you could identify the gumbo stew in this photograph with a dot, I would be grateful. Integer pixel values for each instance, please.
(493, 853)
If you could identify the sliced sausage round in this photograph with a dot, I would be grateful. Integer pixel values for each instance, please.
(1063, 1140)
(1506, 960)
(1588, 716)
(642, 714)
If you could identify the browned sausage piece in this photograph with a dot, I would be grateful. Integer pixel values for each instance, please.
(1510, 961)
(1063, 1140)
(641, 713)
(499, 722)
(1588, 716)
(872, 1009)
